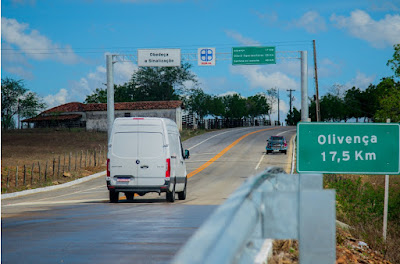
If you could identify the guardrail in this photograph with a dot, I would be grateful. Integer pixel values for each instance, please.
(271, 205)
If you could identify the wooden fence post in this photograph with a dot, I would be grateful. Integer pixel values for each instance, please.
(54, 167)
(69, 162)
(99, 157)
(76, 158)
(80, 160)
(24, 175)
(86, 158)
(39, 170)
(16, 178)
(33, 166)
(58, 169)
(64, 165)
(90, 161)
(94, 157)
(45, 172)
(8, 179)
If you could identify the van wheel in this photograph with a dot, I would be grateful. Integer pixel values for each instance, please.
(182, 194)
(130, 195)
(171, 195)
(114, 196)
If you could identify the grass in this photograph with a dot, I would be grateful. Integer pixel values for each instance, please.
(62, 147)
(360, 201)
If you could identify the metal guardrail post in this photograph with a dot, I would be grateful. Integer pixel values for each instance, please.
(271, 205)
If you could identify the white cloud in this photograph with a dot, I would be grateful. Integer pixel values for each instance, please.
(57, 99)
(381, 33)
(311, 21)
(361, 81)
(328, 68)
(228, 93)
(384, 5)
(33, 44)
(241, 39)
(258, 76)
(98, 79)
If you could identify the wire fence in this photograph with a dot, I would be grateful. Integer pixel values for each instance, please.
(59, 169)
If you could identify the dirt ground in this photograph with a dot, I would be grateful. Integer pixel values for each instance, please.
(69, 154)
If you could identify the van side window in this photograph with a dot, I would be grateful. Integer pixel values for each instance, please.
(180, 144)
(174, 144)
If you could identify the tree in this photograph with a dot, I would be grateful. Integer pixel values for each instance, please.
(389, 103)
(16, 99)
(272, 98)
(394, 63)
(332, 108)
(293, 117)
(235, 106)
(216, 106)
(160, 83)
(149, 84)
(352, 102)
(198, 102)
(257, 105)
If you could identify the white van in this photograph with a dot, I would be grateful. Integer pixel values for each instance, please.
(145, 154)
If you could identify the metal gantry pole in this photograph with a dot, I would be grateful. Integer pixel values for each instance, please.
(386, 202)
(110, 93)
(304, 86)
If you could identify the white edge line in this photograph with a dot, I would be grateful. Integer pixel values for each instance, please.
(258, 164)
(293, 152)
(55, 187)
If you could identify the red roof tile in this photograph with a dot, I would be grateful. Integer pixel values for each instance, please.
(65, 108)
(145, 105)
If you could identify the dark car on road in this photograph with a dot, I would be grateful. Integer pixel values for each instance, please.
(276, 144)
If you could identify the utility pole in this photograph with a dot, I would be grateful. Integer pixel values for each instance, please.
(318, 113)
(290, 98)
(279, 119)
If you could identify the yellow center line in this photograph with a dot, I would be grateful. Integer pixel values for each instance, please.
(216, 157)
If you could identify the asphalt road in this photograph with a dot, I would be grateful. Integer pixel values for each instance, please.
(78, 225)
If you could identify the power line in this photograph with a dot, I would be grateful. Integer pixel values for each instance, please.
(93, 50)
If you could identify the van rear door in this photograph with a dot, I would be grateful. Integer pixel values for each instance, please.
(123, 160)
(152, 150)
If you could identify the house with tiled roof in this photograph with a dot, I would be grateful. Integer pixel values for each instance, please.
(94, 116)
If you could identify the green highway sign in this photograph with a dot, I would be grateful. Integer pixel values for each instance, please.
(253, 55)
(355, 148)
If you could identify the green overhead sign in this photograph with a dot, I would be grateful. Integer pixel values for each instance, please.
(357, 148)
(253, 55)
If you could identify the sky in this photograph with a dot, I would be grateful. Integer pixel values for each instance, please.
(58, 48)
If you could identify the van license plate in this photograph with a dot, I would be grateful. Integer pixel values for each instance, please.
(123, 179)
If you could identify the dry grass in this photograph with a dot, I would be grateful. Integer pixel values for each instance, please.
(33, 146)
(27, 147)
(366, 216)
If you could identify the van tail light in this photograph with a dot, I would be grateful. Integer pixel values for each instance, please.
(108, 167)
(168, 171)
(285, 144)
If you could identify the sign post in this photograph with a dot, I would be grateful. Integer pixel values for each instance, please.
(354, 148)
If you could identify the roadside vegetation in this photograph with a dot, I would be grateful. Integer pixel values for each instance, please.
(360, 201)
(33, 146)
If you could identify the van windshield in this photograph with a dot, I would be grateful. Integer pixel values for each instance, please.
(134, 144)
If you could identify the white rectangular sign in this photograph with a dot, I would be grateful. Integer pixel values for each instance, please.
(206, 56)
(159, 57)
